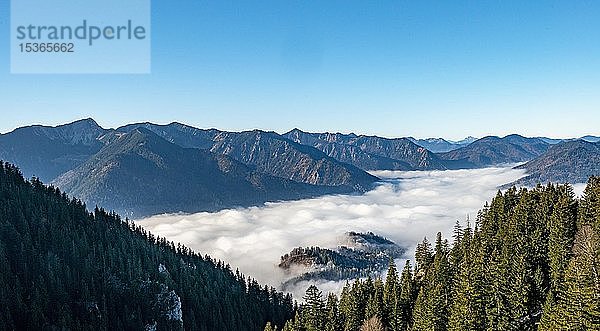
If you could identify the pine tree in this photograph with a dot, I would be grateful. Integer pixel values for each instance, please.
(375, 306)
(423, 257)
(356, 310)
(562, 227)
(467, 311)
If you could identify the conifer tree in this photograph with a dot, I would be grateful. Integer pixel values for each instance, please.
(406, 299)
(333, 321)
(390, 291)
(313, 310)
(578, 306)
(375, 306)
(431, 308)
(562, 227)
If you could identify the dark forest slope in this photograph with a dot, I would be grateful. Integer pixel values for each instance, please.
(64, 268)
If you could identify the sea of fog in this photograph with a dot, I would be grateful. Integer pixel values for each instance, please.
(405, 207)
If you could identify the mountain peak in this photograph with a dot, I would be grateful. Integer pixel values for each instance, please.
(294, 130)
(82, 124)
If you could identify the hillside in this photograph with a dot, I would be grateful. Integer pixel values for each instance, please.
(358, 255)
(568, 162)
(64, 268)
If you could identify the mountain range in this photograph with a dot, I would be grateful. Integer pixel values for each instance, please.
(139, 173)
(267, 152)
(47, 152)
(370, 152)
(142, 169)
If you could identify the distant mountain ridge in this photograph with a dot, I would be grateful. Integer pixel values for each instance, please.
(588, 138)
(492, 150)
(567, 162)
(85, 159)
(144, 169)
(46, 152)
(370, 152)
(441, 145)
(266, 152)
(141, 174)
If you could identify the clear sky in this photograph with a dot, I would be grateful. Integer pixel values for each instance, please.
(393, 68)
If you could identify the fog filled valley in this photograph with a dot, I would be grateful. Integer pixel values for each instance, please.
(405, 207)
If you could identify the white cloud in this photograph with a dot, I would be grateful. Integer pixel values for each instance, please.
(404, 207)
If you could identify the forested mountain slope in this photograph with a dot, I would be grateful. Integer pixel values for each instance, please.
(64, 268)
(530, 262)
(567, 162)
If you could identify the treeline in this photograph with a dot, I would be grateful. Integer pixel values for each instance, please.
(531, 261)
(63, 268)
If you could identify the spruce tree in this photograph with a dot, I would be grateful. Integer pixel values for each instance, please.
(333, 321)
(313, 310)
(390, 291)
(578, 303)
(406, 299)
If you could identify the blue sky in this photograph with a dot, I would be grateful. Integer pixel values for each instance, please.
(393, 68)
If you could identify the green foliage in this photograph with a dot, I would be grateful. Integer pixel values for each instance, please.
(531, 262)
(313, 310)
(65, 268)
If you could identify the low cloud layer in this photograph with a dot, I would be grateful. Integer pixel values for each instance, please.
(404, 207)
